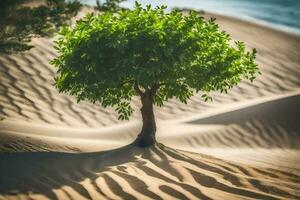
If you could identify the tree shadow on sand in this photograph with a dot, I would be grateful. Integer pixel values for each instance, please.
(43, 172)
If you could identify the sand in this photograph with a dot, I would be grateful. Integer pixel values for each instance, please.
(243, 145)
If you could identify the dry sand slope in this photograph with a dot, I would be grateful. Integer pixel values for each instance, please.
(254, 131)
(133, 173)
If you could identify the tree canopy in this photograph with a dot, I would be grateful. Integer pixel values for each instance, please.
(109, 58)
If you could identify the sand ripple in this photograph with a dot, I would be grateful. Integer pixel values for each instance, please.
(259, 140)
(133, 173)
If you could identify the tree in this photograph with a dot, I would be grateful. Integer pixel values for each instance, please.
(20, 20)
(145, 52)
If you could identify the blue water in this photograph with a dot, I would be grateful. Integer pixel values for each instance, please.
(279, 14)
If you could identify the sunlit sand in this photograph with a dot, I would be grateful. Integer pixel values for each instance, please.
(243, 145)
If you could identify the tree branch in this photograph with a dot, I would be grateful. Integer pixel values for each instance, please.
(154, 89)
(137, 88)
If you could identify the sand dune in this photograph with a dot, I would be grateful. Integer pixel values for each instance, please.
(266, 122)
(269, 124)
(161, 172)
(133, 173)
(264, 134)
(244, 145)
(263, 131)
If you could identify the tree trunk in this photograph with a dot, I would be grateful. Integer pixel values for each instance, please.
(147, 136)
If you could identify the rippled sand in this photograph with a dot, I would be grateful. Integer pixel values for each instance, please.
(244, 145)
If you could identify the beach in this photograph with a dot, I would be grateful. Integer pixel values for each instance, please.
(242, 145)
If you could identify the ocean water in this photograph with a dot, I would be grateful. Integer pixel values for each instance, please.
(279, 14)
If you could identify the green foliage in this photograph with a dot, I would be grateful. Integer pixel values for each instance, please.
(20, 20)
(108, 5)
(104, 56)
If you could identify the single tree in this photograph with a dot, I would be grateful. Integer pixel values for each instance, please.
(109, 58)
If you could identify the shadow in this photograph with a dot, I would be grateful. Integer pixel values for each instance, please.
(123, 173)
(41, 172)
(235, 186)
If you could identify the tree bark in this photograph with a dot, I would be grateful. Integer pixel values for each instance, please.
(146, 137)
